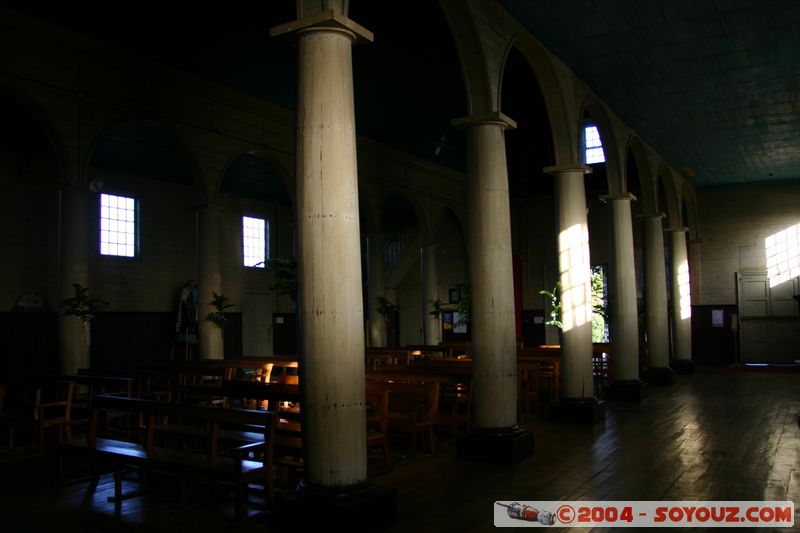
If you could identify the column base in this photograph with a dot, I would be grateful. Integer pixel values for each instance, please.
(626, 391)
(659, 376)
(579, 410)
(362, 507)
(497, 445)
(683, 366)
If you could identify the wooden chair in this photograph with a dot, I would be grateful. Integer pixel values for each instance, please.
(377, 403)
(38, 404)
(412, 408)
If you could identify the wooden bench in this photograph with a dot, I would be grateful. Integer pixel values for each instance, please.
(377, 402)
(250, 368)
(225, 445)
(454, 408)
(283, 399)
(35, 403)
(375, 356)
(411, 409)
(145, 384)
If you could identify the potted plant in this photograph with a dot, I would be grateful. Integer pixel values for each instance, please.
(554, 296)
(84, 307)
(285, 277)
(220, 303)
(81, 305)
(386, 308)
(464, 306)
(598, 301)
(438, 308)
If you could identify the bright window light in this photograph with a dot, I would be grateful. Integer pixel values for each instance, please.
(254, 241)
(684, 290)
(576, 281)
(592, 145)
(783, 255)
(117, 225)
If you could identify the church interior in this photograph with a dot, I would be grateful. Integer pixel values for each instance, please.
(436, 256)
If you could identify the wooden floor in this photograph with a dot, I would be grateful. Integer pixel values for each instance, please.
(714, 435)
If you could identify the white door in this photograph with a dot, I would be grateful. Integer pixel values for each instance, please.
(769, 329)
(410, 308)
(256, 323)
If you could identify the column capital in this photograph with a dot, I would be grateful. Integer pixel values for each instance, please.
(651, 215)
(325, 21)
(615, 197)
(493, 117)
(555, 170)
(677, 229)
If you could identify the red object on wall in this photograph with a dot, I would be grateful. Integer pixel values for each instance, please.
(517, 265)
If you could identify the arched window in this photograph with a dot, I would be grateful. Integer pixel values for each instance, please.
(592, 145)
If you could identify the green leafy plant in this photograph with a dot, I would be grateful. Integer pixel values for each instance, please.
(599, 306)
(220, 303)
(81, 305)
(464, 305)
(385, 307)
(285, 276)
(438, 307)
(554, 296)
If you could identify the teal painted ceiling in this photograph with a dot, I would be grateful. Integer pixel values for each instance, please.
(713, 86)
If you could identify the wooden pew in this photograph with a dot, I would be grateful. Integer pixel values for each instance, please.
(454, 407)
(35, 403)
(378, 356)
(153, 384)
(284, 399)
(412, 407)
(170, 447)
(378, 421)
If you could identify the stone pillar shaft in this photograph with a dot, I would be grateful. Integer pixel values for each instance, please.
(681, 296)
(575, 279)
(491, 273)
(73, 334)
(623, 308)
(655, 280)
(430, 292)
(329, 262)
(377, 287)
(211, 344)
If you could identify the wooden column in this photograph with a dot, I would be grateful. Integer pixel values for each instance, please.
(681, 302)
(330, 313)
(211, 344)
(624, 315)
(656, 310)
(430, 292)
(73, 334)
(492, 280)
(578, 400)
(377, 287)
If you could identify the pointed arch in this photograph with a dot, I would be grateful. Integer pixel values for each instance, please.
(614, 162)
(564, 148)
(668, 201)
(31, 107)
(145, 132)
(646, 177)
(257, 175)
